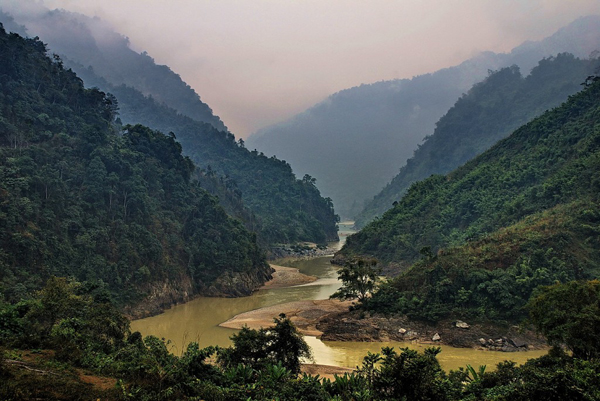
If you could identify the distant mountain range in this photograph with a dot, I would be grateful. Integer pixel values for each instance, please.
(490, 111)
(92, 43)
(355, 141)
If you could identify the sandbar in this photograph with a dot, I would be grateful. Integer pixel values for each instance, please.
(287, 277)
(304, 314)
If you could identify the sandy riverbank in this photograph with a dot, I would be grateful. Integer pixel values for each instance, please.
(286, 277)
(304, 314)
(324, 371)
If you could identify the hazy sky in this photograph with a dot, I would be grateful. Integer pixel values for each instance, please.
(257, 62)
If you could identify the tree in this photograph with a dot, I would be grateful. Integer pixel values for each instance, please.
(359, 278)
(280, 344)
(569, 314)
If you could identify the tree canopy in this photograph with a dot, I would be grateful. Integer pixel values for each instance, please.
(569, 314)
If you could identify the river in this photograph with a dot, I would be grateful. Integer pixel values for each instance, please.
(199, 319)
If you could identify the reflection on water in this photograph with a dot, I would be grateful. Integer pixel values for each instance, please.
(199, 320)
(350, 354)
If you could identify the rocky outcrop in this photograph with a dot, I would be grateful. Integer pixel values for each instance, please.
(339, 259)
(162, 295)
(298, 252)
(461, 325)
(356, 326)
(238, 284)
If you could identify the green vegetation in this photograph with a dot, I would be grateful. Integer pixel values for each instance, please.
(494, 277)
(569, 314)
(522, 215)
(281, 344)
(490, 111)
(359, 279)
(263, 192)
(86, 331)
(260, 190)
(92, 212)
(79, 197)
(79, 331)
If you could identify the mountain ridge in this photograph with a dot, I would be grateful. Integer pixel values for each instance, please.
(113, 206)
(356, 150)
(489, 111)
(284, 209)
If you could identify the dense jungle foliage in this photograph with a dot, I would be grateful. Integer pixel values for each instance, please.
(69, 342)
(494, 277)
(285, 209)
(552, 160)
(261, 191)
(79, 197)
(490, 111)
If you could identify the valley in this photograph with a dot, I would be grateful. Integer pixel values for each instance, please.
(210, 321)
(147, 253)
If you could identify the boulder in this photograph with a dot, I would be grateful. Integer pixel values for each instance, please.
(518, 341)
(401, 331)
(461, 325)
(436, 337)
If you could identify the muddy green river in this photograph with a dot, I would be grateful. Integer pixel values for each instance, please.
(198, 321)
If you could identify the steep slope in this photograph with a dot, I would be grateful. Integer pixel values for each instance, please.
(90, 42)
(355, 141)
(119, 210)
(284, 209)
(494, 277)
(490, 111)
(553, 159)
(281, 208)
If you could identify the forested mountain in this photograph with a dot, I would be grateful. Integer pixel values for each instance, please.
(117, 209)
(550, 161)
(490, 111)
(355, 141)
(494, 277)
(262, 191)
(282, 209)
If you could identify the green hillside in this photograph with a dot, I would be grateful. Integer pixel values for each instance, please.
(286, 209)
(91, 42)
(79, 197)
(494, 277)
(552, 160)
(490, 111)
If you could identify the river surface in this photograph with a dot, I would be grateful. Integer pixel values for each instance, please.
(199, 319)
